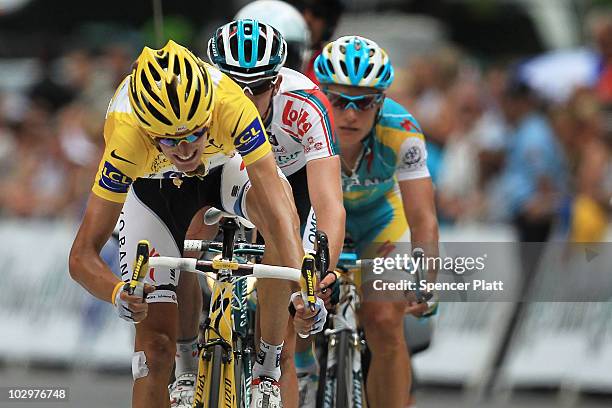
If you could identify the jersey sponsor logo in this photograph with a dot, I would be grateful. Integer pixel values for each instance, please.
(313, 145)
(409, 126)
(412, 157)
(291, 117)
(112, 179)
(116, 156)
(279, 149)
(350, 181)
(152, 252)
(282, 160)
(251, 138)
(159, 163)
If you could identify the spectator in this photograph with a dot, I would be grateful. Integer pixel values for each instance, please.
(474, 129)
(593, 176)
(322, 18)
(533, 179)
(600, 26)
(38, 181)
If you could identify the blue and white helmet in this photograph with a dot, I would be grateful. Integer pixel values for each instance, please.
(248, 50)
(355, 61)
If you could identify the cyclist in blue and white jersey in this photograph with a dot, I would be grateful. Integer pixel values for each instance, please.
(386, 186)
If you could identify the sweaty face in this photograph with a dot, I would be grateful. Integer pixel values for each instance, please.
(186, 156)
(353, 125)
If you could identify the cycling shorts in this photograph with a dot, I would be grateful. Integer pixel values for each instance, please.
(376, 230)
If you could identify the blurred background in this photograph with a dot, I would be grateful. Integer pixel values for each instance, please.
(515, 100)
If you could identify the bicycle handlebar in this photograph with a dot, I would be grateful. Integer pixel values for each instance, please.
(258, 270)
(199, 245)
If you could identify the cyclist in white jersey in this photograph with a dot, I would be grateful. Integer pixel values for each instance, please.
(297, 117)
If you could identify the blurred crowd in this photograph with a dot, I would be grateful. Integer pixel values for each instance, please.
(497, 150)
(501, 151)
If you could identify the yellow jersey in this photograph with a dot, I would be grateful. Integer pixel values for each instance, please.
(130, 153)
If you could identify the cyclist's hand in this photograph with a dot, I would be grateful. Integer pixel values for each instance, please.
(329, 290)
(132, 308)
(416, 309)
(305, 321)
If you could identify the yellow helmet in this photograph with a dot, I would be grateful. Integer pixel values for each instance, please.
(170, 91)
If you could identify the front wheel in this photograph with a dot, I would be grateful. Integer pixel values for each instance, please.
(215, 376)
(344, 371)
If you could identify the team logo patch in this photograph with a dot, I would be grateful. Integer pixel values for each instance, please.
(112, 179)
(292, 117)
(251, 138)
(412, 156)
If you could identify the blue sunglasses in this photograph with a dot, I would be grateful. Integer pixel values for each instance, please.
(173, 142)
(357, 102)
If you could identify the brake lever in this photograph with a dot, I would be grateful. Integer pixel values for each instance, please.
(418, 256)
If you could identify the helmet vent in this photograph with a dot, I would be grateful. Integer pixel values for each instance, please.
(177, 66)
(149, 87)
(157, 114)
(343, 67)
(141, 118)
(189, 76)
(154, 73)
(173, 96)
(368, 69)
(194, 104)
(356, 61)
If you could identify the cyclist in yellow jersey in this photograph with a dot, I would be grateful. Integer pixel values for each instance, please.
(181, 135)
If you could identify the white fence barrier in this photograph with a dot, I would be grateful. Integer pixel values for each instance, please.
(47, 317)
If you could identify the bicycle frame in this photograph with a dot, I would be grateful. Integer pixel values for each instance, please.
(219, 331)
(345, 320)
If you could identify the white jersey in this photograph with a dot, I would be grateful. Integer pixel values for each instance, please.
(301, 128)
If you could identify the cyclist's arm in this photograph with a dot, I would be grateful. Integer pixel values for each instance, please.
(86, 266)
(420, 210)
(418, 195)
(325, 190)
(279, 225)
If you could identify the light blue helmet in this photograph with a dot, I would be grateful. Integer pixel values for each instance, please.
(354, 61)
(248, 50)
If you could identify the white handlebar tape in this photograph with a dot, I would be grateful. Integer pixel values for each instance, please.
(276, 272)
(184, 264)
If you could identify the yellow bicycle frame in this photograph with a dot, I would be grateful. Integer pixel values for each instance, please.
(221, 322)
(221, 328)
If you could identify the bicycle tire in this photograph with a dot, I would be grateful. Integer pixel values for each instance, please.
(241, 375)
(238, 380)
(343, 370)
(215, 376)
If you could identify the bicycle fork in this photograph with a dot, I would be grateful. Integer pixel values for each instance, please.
(344, 338)
(218, 333)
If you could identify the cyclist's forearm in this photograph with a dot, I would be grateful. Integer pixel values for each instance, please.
(282, 233)
(88, 269)
(425, 235)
